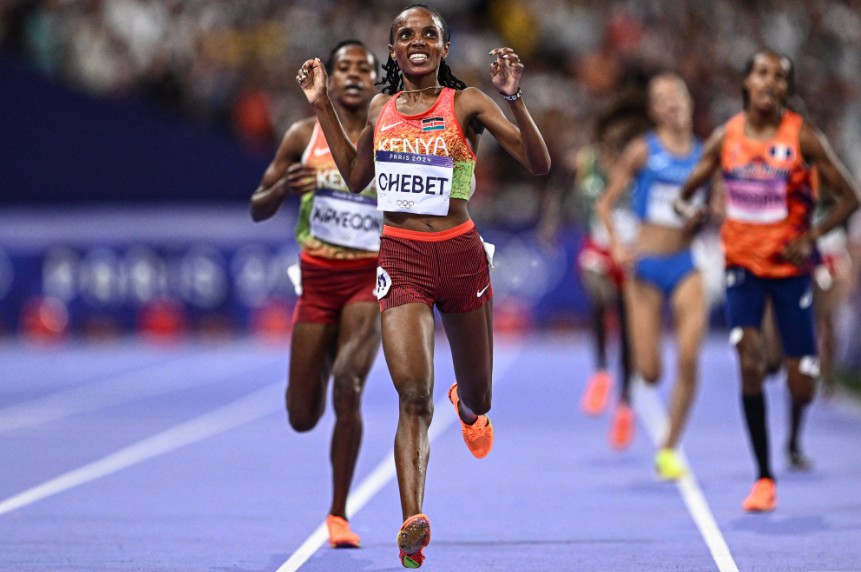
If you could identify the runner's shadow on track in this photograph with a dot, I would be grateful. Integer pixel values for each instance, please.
(330, 560)
(370, 558)
(515, 543)
(274, 562)
(525, 554)
(788, 475)
(613, 460)
(775, 525)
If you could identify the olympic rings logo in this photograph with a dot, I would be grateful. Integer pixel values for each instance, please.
(405, 204)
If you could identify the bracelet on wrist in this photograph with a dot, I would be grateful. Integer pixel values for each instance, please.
(513, 97)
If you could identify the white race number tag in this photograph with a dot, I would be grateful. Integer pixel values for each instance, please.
(346, 219)
(660, 207)
(413, 183)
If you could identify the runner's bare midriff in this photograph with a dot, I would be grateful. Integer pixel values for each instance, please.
(657, 239)
(457, 214)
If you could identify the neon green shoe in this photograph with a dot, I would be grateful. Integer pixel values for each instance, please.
(668, 465)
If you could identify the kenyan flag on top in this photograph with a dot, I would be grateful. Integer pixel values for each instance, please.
(433, 124)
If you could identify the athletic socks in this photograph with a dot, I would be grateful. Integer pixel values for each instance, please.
(754, 414)
(796, 460)
(795, 425)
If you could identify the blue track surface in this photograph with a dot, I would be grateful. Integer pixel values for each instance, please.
(237, 490)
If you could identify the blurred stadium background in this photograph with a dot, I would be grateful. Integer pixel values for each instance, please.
(134, 131)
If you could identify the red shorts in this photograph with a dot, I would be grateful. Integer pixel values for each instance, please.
(448, 269)
(329, 285)
(596, 258)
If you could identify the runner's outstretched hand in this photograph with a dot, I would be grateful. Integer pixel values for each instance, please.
(505, 72)
(312, 78)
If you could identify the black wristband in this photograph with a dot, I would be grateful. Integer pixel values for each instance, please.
(514, 97)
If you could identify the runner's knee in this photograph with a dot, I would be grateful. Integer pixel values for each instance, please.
(302, 416)
(346, 393)
(301, 420)
(752, 370)
(651, 374)
(416, 402)
(772, 367)
(802, 395)
(752, 362)
(802, 380)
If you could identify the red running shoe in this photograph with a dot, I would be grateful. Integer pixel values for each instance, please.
(413, 536)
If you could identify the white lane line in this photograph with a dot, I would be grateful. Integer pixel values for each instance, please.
(372, 484)
(131, 386)
(244, 410)
(654, 417)
(382, 475)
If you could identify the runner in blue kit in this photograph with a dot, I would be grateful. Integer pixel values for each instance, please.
(661, 263)
(427, 124)
(336, 330)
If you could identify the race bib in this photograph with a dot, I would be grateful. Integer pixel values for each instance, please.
(660, 208)
(346, 219)
(760, 202)
(413, 183)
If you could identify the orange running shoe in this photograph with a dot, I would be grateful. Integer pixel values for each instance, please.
(340, 535)
(413, 536)
(595, 399)
(478, 436)
(622, 427)
(762, 497)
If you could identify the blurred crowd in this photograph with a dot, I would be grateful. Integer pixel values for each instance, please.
(233, 64)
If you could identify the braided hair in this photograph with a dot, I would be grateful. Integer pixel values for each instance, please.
(393, 81)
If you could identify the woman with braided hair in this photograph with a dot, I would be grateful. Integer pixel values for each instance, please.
(419, 147)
